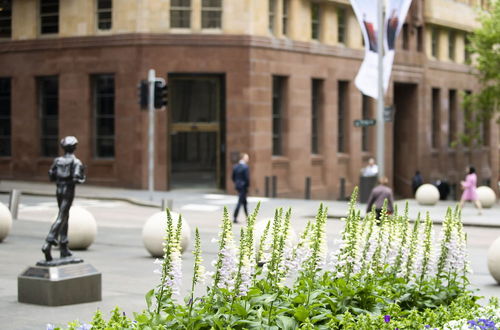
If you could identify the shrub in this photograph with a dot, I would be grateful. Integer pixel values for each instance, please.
(387, 275)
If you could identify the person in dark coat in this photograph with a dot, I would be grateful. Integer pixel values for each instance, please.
(377, 197)
(416, 182)
(241, 179)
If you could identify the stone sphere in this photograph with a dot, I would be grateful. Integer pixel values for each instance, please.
(82, 228)
(259, 229)
(5, 221)
(154, 229)
(486, 196)
(494, 260)
(427, 194)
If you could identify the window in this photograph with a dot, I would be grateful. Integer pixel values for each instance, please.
(286, 8)
(341, 25)
(420, 39)
(103, 87)
(341, 115)
(406, 37)
(315, 21)
(48, 89)
(104, 14)
(6, 19)
(366, 114)
(451, 45)
(316, 113)
(435, 117)
(5, 124)
(278, 114)
(452, 116)
(466, 48)
(180, 14)
(435, 42)
(49, 16)
(272, 14)
(211, 14)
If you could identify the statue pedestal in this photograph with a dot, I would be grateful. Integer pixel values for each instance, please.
(59, 285)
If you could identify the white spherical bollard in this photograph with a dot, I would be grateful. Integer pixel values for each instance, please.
(486, 196)
(154, 229)
(82, 228)
(5, 221)
(259, 229)
(494, 260)
(427, 194)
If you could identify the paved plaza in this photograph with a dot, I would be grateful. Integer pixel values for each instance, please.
(126, 267)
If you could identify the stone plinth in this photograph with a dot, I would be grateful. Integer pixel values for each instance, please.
(60, 285)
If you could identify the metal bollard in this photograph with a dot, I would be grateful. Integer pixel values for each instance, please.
(342, 189)
(274, 184)
(267, 186)
(167, 203)
(14, 197)
(308, 188)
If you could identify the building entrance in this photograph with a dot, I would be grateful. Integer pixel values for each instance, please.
(196, 131)
(405, 137)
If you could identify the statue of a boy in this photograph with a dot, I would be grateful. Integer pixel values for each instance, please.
(66, 171)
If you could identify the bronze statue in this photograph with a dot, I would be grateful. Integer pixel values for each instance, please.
(66, 171)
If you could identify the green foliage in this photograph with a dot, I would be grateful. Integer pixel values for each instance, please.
(381, 277)
(484, 46)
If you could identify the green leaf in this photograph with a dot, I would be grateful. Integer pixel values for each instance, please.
(149, 297)
(299, 299)
(286, 323)
(301, 313)
(249, 324)
(240, 310)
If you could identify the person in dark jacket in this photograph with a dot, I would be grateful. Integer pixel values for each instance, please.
(378, 195)
(241, 179)
(416, 182)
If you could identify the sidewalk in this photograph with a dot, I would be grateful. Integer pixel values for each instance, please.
(127, 268)
(212, 200)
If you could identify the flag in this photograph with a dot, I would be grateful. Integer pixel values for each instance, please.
(367, 14)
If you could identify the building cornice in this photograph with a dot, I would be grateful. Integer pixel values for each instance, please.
(188, 40)
(450, 66)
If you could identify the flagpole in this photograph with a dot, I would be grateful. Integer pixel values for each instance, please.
(380, 99)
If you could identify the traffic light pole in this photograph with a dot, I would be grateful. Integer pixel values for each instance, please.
(380, 99)
(151, 132)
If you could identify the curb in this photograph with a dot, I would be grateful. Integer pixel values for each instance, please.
(105, 198)
(138, 202)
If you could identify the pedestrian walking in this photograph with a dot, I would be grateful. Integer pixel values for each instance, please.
(469, 187)
(241, 179)
(378, 195)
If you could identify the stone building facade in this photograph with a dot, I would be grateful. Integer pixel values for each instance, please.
(273, 78)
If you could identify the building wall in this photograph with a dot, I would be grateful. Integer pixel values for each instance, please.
(247, 54)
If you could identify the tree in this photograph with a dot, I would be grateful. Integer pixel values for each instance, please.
(484, 47)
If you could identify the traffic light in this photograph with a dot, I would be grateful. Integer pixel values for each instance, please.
(160, 95)
(142, 94)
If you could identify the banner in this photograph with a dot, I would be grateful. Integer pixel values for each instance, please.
(367, 14)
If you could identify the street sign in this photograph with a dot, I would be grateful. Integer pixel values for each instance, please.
(388, 114)
(364, 122)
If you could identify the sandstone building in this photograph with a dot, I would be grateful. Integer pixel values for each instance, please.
(273, 78)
